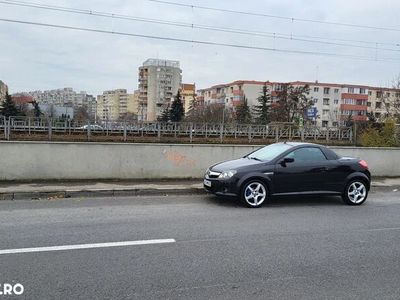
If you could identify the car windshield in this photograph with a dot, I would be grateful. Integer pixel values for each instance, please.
(269, 152)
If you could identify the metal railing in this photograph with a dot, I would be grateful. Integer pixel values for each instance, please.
(14, 126)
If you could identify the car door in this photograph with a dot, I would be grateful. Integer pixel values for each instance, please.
(305, 174)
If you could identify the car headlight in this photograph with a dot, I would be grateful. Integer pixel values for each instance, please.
(227, 174)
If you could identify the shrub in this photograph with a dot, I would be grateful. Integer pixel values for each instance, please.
(384, 137)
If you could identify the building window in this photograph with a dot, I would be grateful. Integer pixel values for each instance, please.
(378, 105)
(336, 101)
(315, 100)
(316, 89)
(362, 91)
(325, 112)
(369, 104)
(379, 94)
(335, 124)
(324, 123)
(336, 91)
(326, 91)
(350, 90)
(326, 101)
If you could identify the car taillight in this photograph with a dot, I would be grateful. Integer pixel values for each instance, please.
(363, 164)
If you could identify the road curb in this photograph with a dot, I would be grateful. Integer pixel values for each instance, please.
(37, 195)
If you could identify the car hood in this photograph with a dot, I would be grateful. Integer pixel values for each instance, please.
(235, 164)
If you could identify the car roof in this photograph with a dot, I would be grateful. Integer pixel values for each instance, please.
(294, 144)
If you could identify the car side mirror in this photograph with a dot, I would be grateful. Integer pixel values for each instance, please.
(286, 160)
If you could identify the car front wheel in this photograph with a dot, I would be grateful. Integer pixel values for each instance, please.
(356, 193)
(254, 193)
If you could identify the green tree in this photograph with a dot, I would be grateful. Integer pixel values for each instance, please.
(261, 110)
(165, 115)
(9, 108)
(243, 113)
(37, 112)
(177, 112)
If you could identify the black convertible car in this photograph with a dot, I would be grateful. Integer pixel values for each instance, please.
(290, 169)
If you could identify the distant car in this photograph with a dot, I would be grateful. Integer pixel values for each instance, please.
(93, 127)
(290, 169)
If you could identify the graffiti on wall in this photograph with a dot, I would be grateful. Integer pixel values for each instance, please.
(179, 159)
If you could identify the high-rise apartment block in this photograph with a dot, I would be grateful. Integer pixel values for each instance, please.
(159, 82)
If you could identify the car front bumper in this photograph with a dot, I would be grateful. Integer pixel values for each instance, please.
(221, 187)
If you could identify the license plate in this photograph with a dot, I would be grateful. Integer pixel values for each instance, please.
(207, 182)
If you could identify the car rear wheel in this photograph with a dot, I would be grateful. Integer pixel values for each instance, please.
(356, 192)
(254, 193)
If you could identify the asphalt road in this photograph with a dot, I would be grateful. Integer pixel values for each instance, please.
(292, 248)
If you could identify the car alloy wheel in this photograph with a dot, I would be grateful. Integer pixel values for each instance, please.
(254, 193)
(356, 193)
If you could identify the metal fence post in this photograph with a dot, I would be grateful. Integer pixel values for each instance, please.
(159, 131)
(9, 129)
(249, 133)
(327, 135)
(5, 127)
(191, 132)
(125, 131)
(221, 137)
(50, 127)
(277, 133)
(29, 126)
(88, 131)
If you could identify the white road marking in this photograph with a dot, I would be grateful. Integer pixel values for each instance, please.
(86, 246)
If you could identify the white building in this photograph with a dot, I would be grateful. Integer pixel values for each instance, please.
(159, 82)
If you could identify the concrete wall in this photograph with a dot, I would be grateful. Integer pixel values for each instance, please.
(60, 161)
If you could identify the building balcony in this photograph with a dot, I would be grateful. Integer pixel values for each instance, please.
(355, 96)
(238, 92)
(353, 107)
(357, 118)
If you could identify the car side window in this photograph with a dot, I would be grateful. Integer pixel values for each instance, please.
(307, 154)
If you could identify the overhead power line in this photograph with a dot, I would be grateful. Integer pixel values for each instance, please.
(355, 57)
(291, 19)
(270, 35)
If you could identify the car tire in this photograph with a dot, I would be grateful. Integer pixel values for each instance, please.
(355, 193)
(254, 193)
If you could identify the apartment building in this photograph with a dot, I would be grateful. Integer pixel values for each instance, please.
(334, 104)
(159, 82)
(63, 97)
(112, 105)
(188, 94)
(133, 103)
(382, 101)
(3, 91)
(232, 94)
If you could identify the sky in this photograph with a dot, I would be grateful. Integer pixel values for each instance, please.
(42, 58)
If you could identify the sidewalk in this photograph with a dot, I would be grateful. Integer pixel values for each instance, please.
(101, 188)
(104, 188)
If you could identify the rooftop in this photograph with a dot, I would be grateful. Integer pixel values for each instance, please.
(161, 63)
